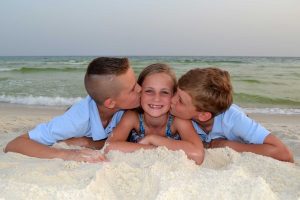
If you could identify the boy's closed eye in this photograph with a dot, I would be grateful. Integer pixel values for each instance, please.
(180, 101)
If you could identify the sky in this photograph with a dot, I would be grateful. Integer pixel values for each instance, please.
(150, 27)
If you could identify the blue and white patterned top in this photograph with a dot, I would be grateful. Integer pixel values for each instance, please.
(135, 136)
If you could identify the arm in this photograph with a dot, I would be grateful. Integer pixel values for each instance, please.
(190, 142)
(85, 142)
(24, 145)
(118, 139)
(271, 147)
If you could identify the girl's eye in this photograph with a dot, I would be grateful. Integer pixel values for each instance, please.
(148, 91)
(166, 93)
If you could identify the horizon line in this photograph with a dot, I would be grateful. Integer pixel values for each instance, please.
(262, 56)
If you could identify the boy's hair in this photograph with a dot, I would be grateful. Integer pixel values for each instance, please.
(100, 74)
(158, 68)
(210, 89)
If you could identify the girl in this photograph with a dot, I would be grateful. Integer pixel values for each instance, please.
(152, 125)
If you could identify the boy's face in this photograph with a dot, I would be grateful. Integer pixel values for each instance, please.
(129, 95)
(182, 105)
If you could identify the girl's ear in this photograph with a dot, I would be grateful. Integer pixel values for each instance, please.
(204, 116)
(109, 103)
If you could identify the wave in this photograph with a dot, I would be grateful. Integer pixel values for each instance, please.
(250, 81)
(258, 81)
(48, 69)
(187, 61)
(257, 99)
(39, 100)
(8, 69)
(283, 111)
(4, 78)
(226, 61)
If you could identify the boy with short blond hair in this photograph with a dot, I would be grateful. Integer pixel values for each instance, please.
(205, 96)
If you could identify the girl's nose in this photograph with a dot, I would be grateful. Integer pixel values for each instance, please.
(157, 97)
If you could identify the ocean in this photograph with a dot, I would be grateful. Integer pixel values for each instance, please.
(261, 84)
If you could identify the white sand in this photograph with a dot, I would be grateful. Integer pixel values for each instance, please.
(151, 174)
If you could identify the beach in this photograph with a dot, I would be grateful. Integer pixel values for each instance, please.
(34, 89)
(147, 174)
(48, 54)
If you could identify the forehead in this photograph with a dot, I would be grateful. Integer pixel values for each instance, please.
(184, 95)
(158, 80)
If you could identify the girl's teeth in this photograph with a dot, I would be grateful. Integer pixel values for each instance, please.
(155, 106)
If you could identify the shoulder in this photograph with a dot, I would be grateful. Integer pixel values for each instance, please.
(83, 106)
(130, 116)
(179, 123)
(234, 109)
(234, 112)
(85, 101)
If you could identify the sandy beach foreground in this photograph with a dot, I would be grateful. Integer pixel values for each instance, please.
(151, 174)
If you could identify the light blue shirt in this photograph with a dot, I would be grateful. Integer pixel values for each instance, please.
(234, 125)
(82, 119)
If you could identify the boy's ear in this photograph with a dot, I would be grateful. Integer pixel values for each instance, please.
(204, 116)
(109, 103)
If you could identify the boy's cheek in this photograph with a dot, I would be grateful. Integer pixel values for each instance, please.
(174, 111)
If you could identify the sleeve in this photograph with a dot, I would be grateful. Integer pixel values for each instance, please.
(247, 129)
(73, 123)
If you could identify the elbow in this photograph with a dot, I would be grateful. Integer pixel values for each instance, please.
(286, 155)
(10, 146)
(198, 156)
(281, 153)
(13, 145)
(7, 148)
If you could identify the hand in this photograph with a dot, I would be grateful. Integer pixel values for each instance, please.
(220, 142)
(146, 140)
(81, 141)
(84, 155)
(207, 145)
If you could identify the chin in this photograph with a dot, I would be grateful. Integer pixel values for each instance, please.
(156, 114)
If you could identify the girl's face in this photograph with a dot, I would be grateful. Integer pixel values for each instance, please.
(157, 91)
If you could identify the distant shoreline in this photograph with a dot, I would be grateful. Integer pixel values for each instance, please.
(238, 56)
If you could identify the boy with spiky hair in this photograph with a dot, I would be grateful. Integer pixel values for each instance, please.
(111, 85)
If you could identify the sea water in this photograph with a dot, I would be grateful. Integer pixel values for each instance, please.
(261, 84)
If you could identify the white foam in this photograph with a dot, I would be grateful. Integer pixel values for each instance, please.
(39, 100)
(8, 69)
(283, 111)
